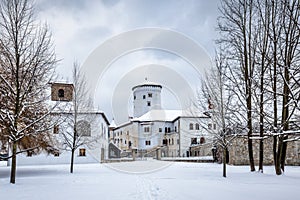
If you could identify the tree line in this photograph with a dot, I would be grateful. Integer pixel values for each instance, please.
(255, 82)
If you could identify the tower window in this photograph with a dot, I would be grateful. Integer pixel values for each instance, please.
(144, 96)
(150, 95)
(61, 93)
(148, 103)
(191, 126)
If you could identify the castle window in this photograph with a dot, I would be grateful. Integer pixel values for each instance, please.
(215, 126)
(29, 153)
(202, 140)
(82, 152)
(175, 128)
(193, 140)
(61, 93)
(150, 95)
(144, 96)
(197, 127)
(84, 128)
(169, 130)
(146, 129)
(160, 130)
(191, 126)
(55, 129)
(148, 142)
(209, 126)
(148, 103)
(165, 142)
(134, 97)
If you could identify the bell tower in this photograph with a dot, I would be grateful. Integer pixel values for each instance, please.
(61, 92)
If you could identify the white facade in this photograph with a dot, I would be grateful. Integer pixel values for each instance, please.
(94, 150)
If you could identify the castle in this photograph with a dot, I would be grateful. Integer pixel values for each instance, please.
(173, 132)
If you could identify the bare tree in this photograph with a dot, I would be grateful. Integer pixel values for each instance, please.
(217, 91)
(76, 128)
(289, 73)
(263, 40)
(240, 37)
(27, 62)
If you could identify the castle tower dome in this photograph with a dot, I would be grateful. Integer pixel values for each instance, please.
(146, 97)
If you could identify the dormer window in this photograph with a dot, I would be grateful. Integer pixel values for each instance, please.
(61, 93)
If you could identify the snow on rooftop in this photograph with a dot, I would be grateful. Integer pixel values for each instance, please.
(165, 115)
(147, 83)
(112, 124)
(159, 115)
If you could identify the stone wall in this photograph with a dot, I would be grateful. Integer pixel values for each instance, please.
(238, 152)
(202, 150)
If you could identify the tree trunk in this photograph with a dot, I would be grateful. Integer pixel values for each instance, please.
(283, 156)
(72, 161)
(261, 156)
(278, 156)
(13, 164)
(224, 162)
(261, 120)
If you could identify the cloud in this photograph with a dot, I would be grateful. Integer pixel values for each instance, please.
(80, 26)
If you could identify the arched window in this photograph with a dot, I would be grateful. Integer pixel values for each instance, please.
(84, 128)
(61, 93)
(191, 126)
(197, 127)
(202, 140)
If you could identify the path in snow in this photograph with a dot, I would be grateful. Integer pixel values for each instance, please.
(176, 181)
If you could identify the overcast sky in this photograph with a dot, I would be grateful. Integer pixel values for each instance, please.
(81, 26)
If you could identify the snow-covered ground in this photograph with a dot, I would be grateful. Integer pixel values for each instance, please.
(163, 180)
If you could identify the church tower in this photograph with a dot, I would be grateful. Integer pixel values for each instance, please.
(146, 97)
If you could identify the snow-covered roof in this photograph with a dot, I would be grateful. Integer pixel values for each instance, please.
(112, 124)
(147, 83)
(159, 115)
(165, 115)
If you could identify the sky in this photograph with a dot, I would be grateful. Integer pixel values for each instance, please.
(120, 43)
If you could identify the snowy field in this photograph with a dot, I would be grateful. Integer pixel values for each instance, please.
(164, 180)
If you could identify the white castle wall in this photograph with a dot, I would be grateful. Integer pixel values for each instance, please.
(142, 95)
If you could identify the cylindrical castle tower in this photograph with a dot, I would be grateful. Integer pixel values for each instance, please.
(146, 97)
